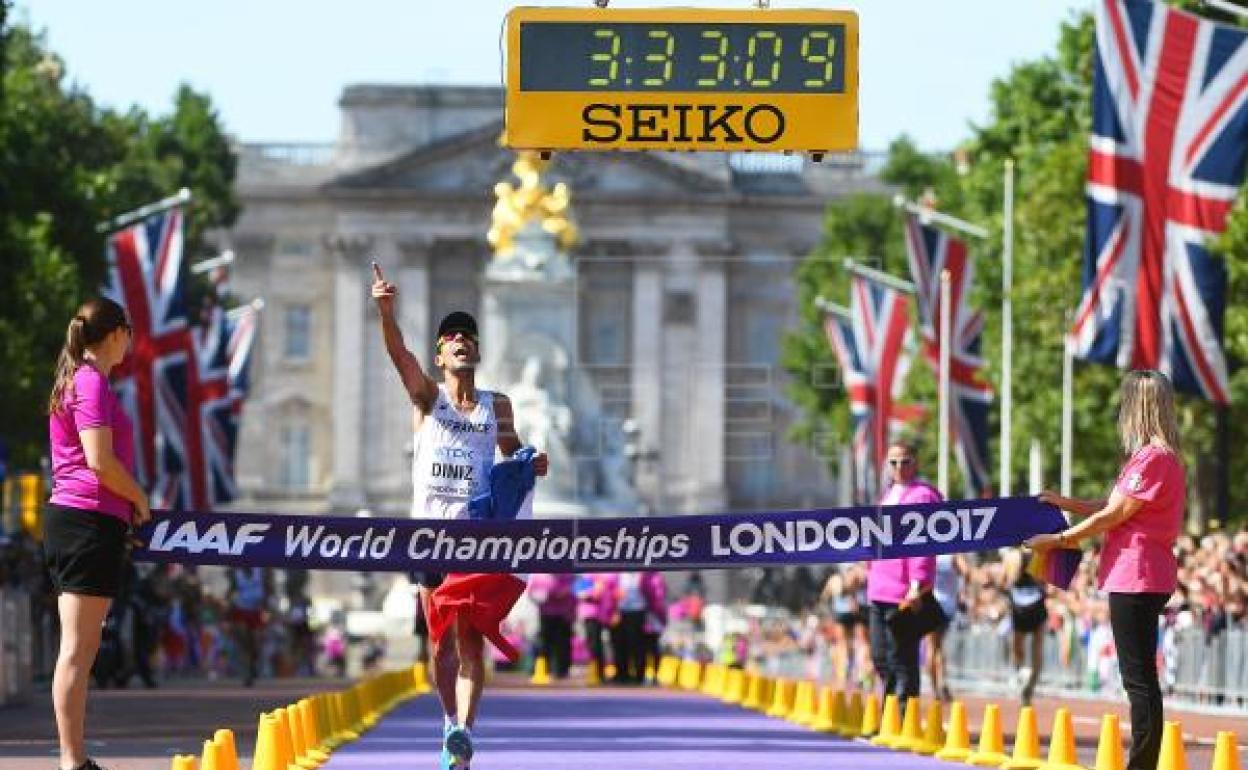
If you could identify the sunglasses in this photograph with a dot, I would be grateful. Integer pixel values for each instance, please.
(902, 461)
(445, 338)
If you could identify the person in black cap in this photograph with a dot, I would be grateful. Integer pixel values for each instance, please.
(458, 429)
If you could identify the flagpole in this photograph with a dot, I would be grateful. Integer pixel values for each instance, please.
(946, 332)
(1068, 394)
(879, 276)
(183, 196)
(1227, 7)
(1007, 330)
(926, 215)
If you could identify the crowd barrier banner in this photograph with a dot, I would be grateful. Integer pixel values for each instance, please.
(721, 541)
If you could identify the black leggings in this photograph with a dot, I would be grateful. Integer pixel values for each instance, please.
(1133, 618)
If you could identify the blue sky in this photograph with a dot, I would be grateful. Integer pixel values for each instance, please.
(275, 68)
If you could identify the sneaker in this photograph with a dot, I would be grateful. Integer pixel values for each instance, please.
(446, 761)
(458, 742)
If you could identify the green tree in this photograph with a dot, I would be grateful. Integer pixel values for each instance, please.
(67, 164)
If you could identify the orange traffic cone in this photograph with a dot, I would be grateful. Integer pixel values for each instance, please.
(1026, 743)
(229, 752)
(991, 751)
(958, 741)
(1109, 748)
(1062, 754)
(268, 748)
(1172, 756)
(890, 723)
(1225, 752)
(183, 762)
(210, 757)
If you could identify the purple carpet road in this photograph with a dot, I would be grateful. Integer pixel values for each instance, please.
(613, 730)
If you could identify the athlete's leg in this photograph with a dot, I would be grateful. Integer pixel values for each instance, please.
(471, 679)
(445, 659)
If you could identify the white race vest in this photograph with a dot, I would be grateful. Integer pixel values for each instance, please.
(452, 458)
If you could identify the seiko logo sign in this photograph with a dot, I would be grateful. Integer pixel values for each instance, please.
(681, 123)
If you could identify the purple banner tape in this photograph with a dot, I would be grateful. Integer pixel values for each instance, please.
(721, 541)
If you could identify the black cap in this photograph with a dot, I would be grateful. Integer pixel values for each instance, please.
(458, 321)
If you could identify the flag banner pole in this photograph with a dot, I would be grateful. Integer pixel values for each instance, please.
(182, 197)
(926, 214)
(1227, 7)
(946, 334)
(1007, 330)
(1068, 394)
(713, 541)
(879, 276)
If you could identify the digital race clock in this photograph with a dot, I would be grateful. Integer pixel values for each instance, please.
(682, 79)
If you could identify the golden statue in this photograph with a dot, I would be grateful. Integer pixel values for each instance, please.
(531, 201)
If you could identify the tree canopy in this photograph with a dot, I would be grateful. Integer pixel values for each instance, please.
(66, 165)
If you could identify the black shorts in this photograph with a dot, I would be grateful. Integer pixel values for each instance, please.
(1028, 617)
(84, 551)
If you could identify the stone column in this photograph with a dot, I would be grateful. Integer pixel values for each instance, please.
(413, 309)
(351, 279)
(647, 373)
(708, 405)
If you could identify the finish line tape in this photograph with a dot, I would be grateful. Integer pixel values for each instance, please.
(721, 541)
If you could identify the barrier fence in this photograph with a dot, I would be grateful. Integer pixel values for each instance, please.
(16, 648)
(1197, 670)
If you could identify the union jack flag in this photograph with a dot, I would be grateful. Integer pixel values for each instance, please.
(223, 346)
(871, 342)
(932, 251)
(145, 277)
(1167, 156)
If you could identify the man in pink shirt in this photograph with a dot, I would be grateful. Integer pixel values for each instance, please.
(894, 583)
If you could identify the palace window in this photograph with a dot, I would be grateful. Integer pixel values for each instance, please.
(296, 456)
(297, 345)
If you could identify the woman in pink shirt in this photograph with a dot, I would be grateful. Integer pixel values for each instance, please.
(892, 584)
(95, 499)
(1141, 522)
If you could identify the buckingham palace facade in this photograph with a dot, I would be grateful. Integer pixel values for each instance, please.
(685, 273)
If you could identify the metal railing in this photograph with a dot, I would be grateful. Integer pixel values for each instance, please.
(1196, 670)
(16, 648)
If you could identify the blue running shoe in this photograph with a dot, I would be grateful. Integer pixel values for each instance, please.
(458, 742)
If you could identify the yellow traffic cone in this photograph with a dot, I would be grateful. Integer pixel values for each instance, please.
(228, 755)
(210, 757)
(420, 678)
(734, 686)
(593, 677)
(1026, 754)
(713, 681)
(828, 716)
(782, 698)
(1062, 754)
(183, 762)
(991, 751)
(1225, 752)
(1172, 756)
(285, 740)
(541, 674)
(911, 735)
(299, 739)
(890, 723)
(691, 675)
(753, 690)
(869, 725)
(268, 746)
(1109, 748)
(768, 694)
(313, 735)
(668, 669)
(933, 730)
(803, 712)
(841, 716)
(958, 740)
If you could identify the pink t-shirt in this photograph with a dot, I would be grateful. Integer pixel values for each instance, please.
(888, 580)
(1139, 553)
(90, 403)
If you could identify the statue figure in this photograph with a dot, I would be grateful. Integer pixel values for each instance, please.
(531, 205)
(541, 419)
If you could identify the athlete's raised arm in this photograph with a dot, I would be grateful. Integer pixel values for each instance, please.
(420, 386)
